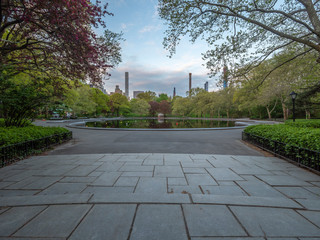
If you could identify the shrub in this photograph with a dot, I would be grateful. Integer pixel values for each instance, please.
(296, 134)
(13, 135)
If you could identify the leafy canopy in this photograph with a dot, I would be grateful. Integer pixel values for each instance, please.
(243, 31)
(56, 37)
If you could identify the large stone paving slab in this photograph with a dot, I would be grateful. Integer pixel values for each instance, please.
(312, 216)
(151, 185)
(44, 200)
(106, 179)
(205, 220)
(108, 222)
(224, 174)
(64, 188)
(55, 221)
(14, 218)
(168, 171)
(159, 222)
(274, 222)
(200, 179)
(259, 189)
(283, 180)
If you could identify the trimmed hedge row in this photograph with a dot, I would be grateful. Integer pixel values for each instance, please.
(292, 134)
(304, 123)
(13, 135)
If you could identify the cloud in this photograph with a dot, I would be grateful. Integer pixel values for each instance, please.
(123, 26)
(150, 28)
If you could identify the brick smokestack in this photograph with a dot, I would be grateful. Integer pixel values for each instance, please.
(127, 84)
(190, 83)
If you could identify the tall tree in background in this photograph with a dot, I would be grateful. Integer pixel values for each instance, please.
(264, 25)
(56, 37)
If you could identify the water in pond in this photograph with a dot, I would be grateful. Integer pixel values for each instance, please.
(161, 123)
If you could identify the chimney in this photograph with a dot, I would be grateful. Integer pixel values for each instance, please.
(190, 85)
(127, 84)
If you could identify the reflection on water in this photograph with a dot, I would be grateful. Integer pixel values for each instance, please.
(161, 123)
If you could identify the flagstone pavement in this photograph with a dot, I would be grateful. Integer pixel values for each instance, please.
(158, 196)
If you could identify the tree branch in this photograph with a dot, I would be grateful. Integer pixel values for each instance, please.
(280, 65)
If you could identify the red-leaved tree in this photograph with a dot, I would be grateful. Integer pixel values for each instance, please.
(154, 107)
(56, 37)
(164, 107)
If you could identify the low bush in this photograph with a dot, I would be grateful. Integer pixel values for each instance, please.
(293, 134)
(13, 135)
(304, 123)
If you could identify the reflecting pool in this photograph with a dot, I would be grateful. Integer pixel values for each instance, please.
(161, 123)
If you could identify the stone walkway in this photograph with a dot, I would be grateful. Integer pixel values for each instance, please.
(158, 196)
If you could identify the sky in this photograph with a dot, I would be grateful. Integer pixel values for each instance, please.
(144, 56)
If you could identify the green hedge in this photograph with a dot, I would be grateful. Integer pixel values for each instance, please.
(304, 123)
(293, 134)
(14, 135)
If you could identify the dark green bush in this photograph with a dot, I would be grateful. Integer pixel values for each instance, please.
(304, 123)
(292, 134)
(12, 135)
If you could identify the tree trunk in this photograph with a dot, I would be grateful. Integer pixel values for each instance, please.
(269, 112)
(285, 111)
(308, 115)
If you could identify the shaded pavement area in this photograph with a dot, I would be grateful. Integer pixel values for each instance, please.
(143, 196)
(87, 141)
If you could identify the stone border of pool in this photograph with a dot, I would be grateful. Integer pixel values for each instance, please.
(242, 123)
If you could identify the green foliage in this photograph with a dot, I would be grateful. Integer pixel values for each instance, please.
(86, 101)
(139, 107)
(181, 106)
(162, 97)
(292, 135)
(147, 96)
(12, 135)
(119, 104)
(20, 100)
(2, 122)
(300, 123)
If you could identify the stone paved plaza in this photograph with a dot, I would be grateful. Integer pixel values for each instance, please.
(158, 196)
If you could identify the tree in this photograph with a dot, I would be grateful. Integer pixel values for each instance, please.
(80, 101)
(56, 38)
(162, 96)
(244, 25)
(119, 103)
(164, 107)
(195, 91)
(147, 96)
(182, 106)
(101, 100)
(139, 106)
(21, 101)
(154, 108)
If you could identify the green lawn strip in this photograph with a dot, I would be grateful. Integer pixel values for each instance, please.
(291, 134)
(13, 135)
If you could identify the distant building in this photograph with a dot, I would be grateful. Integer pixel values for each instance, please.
(206, 86)
(174, 92)
(117, 90)
(225, 77)
(136, 93)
